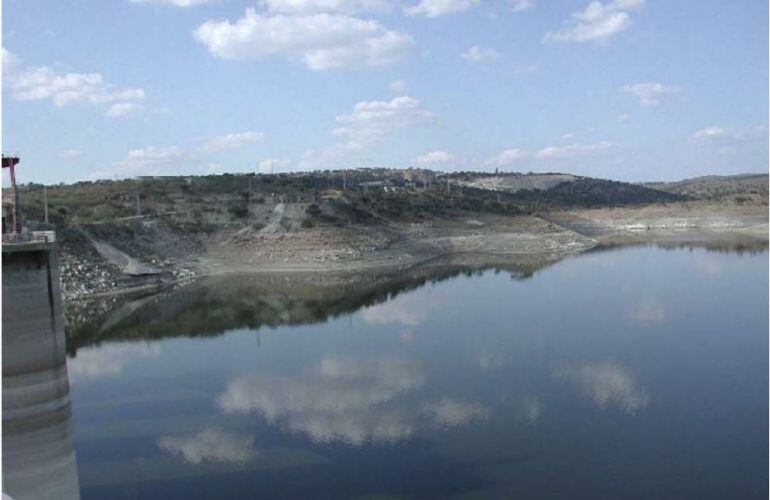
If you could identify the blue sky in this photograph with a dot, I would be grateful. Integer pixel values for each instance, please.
(625, 89)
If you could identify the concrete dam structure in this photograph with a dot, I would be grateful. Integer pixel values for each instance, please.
(38, 449)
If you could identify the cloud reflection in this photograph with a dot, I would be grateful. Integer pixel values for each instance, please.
(608, 384)
(347, 400)
(530, 410)
(108, 359)
(450, 413)
(649, 312)
(210, 445)
(410, 311)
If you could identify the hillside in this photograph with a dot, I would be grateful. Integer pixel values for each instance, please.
(518, 182)
(739, 188)
(206, 203)
(148, 233)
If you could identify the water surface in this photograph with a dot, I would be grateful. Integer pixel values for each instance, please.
(638, 372)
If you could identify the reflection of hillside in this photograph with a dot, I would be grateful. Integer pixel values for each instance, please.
(215, 305)
(720, 245)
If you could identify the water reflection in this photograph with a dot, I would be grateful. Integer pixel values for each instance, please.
(109, 360)
(354, 401)
(471, 387)
(649, 312)
(608, 385)
(407, 313)
(531, 409)
(215, 305)
(449, 413)
(210, 445)
(39, 460)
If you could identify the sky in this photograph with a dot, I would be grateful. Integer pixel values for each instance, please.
(633, 90)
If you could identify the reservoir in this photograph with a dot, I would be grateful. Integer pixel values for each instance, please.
(627, 372)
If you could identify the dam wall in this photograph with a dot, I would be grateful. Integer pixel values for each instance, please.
(38, 448)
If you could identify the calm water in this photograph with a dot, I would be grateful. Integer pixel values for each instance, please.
(638, 372)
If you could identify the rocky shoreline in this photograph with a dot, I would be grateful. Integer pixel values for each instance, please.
(166, 258)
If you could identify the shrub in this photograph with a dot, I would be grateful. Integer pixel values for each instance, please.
(313, 210)
(238, 210)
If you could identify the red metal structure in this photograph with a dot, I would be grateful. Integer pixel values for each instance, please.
(11, 162)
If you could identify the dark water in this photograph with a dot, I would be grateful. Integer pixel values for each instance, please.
(638, 372)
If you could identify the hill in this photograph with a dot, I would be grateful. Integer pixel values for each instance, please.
(738, 187)
(147, 233)
(205, 203)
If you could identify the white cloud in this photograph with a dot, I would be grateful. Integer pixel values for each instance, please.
(573, 150)
(231, 141)
(624, 117)
(449, 413)
(70, 153)
(723, 136)
(436, 8)
(558, 152)
(270, 165)
(10, 62)
(597, 21)
(328, 6)
(31, 84)
(320, 41)
(123, 109)
(332, 157)
(152, 160)
(608, 384)
(153, 153)
(210, 445)
(508, 157)
(519, 5)
(435, 158)
(739, 145)
(398, 87)
(175, 3)
(525, 69)
(650, 93)
(480, 54)
(371, 121)
(710, 133)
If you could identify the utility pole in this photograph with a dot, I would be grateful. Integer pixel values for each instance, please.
(45, 203)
